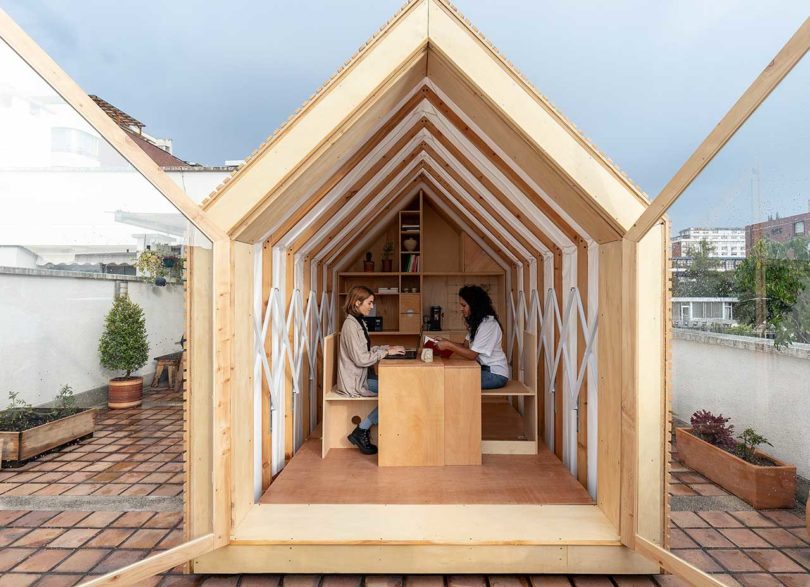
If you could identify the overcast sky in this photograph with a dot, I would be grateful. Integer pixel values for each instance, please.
(645, 81)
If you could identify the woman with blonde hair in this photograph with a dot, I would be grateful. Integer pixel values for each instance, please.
(356, 356)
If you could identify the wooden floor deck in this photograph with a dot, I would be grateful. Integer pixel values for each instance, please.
(348, 477)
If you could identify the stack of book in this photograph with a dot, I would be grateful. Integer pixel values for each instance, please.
(410, 263)
(410, 228)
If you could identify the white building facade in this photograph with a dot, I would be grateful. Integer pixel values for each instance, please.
(723, 242)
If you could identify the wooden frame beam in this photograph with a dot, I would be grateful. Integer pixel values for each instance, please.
(752, 98)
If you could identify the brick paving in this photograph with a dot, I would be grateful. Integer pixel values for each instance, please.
(138, 453)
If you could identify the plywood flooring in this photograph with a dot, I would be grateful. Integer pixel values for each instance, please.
(348, 477)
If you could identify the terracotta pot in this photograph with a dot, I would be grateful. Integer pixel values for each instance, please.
(762, 487)
(388, 265)
(368, 266)
(124, 392)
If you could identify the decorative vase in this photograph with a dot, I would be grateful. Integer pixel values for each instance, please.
(124, 392)
(368, 266)
(387, 265)
(410, 243)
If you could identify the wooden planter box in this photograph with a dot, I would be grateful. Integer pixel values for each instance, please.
(762, 487)
(20, 446)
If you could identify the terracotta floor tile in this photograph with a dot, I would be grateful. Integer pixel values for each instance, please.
(801, 533)
(9, 535)
(172, 467)
(758, 580)
(105, 477)
(19, 579)
(82, 560)
(549, 581)
(6, 487)
(342, 581)
(700, 559)
(113, 457)
(148, 467)
(157, 478)
(42, 561)
(679, 539)
(78, 477)
(8, 516)
(774, 561)
(26, 489)
(131, 476)
(275, 581)
(139, 489)
(168, 490)
(726, 580)
(12, 556)
(132, 520)
(299, 580)
(780, 537)
(794, 579)
(786, 519)
(139, 458)
(753, 519)
(720, 520)
(39, 537)
(33, 519)
(172, 539)
(110, 538)
(164, 520)
(55, 489)
(72, 466)
(52, 477)
(688, 520)
(735, 561)
(122, 467)
(74, 538)
(59, 580)
(144, 538)
(119, 559)
(96, 467)
(24, 477)
(708, 489)
(83, 489)
(709, 538)
(66, 519)
(177, 478)
(633, 581)
(110, 489)
(681, 489)
(744, 538)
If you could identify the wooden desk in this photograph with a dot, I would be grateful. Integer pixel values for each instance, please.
(430, 413)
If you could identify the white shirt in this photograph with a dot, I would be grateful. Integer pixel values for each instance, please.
(487, 344)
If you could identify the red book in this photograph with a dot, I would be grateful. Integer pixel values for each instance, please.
(430, 344)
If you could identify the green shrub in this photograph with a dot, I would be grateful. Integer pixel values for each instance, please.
(123, 345)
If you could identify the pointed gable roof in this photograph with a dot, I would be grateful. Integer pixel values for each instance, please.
(427, 44)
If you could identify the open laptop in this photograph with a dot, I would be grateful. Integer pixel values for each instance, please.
(410, 354)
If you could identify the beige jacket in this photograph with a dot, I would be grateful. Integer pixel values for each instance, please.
(354, 359)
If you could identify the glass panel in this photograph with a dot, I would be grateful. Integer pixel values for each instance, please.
(94, 266)
(746, 362)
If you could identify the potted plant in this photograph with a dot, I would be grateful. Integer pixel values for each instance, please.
(709, 447)
(27, 432)
(123, 347)
(150, 263)
(387, 254)
(368, 264)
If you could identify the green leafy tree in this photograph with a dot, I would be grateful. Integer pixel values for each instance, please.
(773, 285)
(123, 345)
(703, 277)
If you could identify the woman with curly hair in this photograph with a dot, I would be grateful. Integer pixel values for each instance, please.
(484, 336)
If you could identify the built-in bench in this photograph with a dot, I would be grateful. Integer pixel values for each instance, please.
(340, 413)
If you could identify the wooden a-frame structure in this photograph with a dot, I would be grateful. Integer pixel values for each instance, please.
(427, 105)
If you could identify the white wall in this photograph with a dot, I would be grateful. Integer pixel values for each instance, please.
(750, 382)
(50, 326)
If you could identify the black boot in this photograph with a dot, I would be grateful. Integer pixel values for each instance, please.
(361, 439)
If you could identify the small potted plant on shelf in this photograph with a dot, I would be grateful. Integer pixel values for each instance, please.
(387, 256)
(368, 264)
(27, 431)
(123, 347)
(710, 448)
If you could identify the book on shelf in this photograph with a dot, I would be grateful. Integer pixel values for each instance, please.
(412, 227)
(387, 290)
(411, 263)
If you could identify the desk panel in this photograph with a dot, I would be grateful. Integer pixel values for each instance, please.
(411, 430)
(462, 413)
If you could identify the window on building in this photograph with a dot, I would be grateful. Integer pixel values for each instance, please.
(73, 140)
(798, 227)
